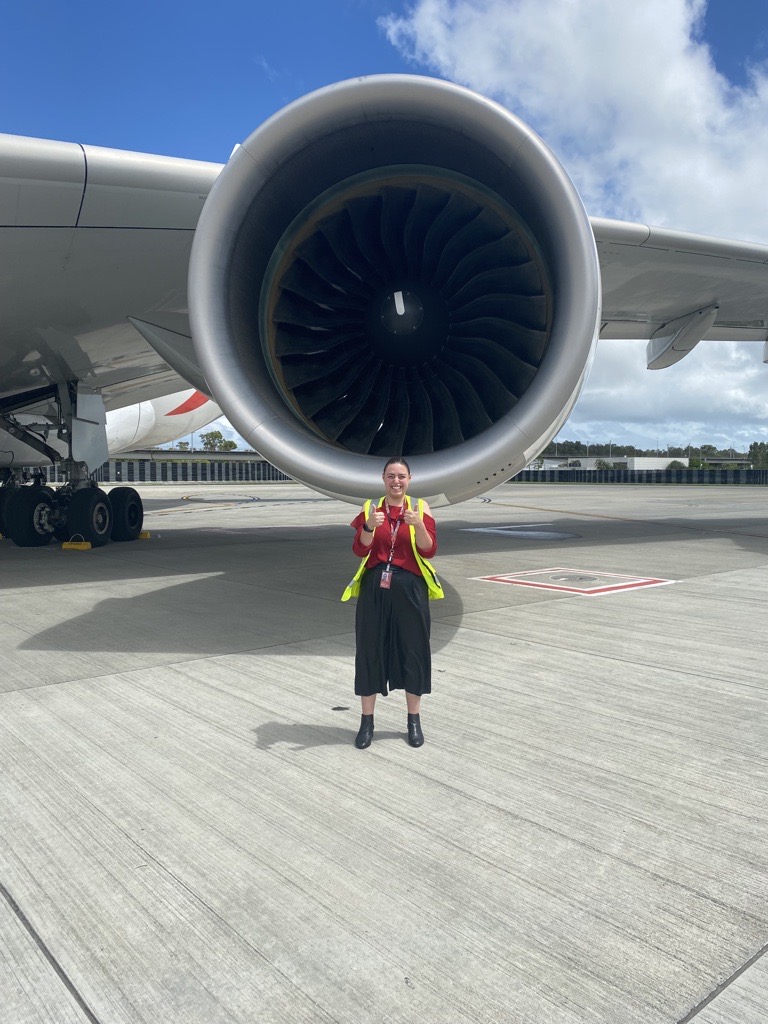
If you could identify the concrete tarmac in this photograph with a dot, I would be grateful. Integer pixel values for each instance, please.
(189, 836)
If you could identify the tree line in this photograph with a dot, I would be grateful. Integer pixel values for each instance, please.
(699, 456)
(212, 441)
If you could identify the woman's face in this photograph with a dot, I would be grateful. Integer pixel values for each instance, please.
(396, 479)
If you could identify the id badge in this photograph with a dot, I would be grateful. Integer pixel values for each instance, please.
(386, 580)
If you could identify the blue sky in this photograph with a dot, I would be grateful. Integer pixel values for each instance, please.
(194, 79)
(186, 79)
(737, 33)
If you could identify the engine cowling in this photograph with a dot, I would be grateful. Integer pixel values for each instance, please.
(395, 265)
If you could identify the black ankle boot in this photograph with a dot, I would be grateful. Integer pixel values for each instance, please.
(415, 735)
(365, 734)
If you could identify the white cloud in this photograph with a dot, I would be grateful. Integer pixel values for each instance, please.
(629, 98)
(717, 395)
(261, 62)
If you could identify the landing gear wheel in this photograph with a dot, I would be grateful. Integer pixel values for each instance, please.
(27, 515)
(5, 493)
(127, 513)
(90, 516)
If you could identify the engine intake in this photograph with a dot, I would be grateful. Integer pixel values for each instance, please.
(395, 265)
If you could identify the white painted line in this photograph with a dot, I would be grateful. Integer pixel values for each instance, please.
(557, 581)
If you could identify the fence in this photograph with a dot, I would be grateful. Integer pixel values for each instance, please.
(255, 471)
(643, 476)
(212, 471)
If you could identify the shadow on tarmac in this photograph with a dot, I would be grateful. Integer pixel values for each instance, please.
(275, 588)
(303, 737)
(198, 550)
(224, 614)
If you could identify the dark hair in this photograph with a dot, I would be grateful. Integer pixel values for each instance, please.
(399, 460)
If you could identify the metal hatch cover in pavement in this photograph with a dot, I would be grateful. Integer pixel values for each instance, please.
(587, 583)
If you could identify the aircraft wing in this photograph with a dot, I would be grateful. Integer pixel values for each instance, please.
(94, 245)
(652, 277)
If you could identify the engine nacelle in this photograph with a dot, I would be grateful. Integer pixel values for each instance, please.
(395, 265)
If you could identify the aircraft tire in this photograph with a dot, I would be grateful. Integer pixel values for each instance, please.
(90, 516)
(5, 493)
(27, 512)
(127, 513)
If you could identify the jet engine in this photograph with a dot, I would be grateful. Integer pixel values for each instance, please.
(389, 266)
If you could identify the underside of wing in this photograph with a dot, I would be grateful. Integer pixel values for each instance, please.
(676, 288)
(94, 243)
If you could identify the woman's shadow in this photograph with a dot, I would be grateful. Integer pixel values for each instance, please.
(300, 736)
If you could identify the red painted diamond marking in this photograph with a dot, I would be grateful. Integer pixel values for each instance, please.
(587, 583)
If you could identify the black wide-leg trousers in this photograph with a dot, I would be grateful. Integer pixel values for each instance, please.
(392, 632)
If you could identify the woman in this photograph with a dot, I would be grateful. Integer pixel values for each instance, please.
(394, 584)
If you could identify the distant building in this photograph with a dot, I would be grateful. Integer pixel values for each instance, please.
(615, 462)
(741, 461)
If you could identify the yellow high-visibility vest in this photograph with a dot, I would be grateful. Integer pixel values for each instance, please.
(429, 574)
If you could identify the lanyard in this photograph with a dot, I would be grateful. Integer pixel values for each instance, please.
(393, 528)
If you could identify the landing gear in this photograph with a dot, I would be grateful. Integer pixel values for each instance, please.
(127, 513)
(34, 515)
(68, 415)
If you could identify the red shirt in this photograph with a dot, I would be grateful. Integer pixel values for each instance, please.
(382, 540)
